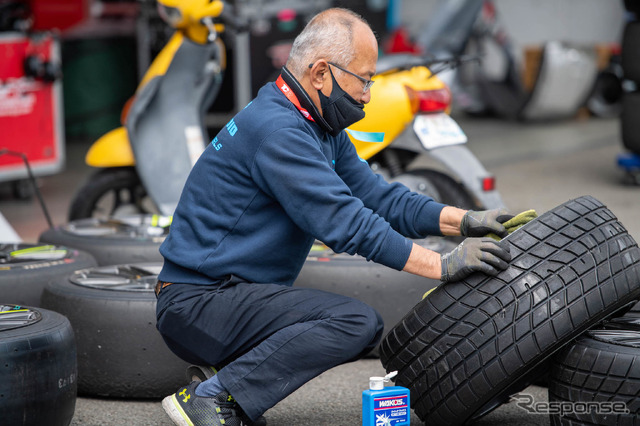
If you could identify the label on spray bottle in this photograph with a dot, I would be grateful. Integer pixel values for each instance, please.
(391, 411)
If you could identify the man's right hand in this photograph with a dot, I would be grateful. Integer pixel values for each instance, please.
(475, 254)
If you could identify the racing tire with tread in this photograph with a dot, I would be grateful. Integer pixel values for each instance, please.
(469, 345)
(602, 366)
(38, 369)
(120, 352)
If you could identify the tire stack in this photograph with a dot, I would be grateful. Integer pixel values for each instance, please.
(470, 345)
(114, 241)
(112, 310)
(38, 364)
(27, 268)
(38, 372)
(630, 117)
(111, 306)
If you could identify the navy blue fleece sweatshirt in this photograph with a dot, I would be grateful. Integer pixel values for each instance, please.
(270, 183)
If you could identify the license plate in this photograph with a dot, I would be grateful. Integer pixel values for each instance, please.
(437, 130)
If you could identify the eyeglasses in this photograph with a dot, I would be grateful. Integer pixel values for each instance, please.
(367, 83)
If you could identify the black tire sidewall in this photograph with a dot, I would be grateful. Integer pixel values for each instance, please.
(630, 124)
(23, 283)
(38, 372)
(451, 192)
(107, 250)
(631, 51)
(120, 351)
(100, 183)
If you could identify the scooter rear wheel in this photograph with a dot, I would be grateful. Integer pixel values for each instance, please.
(115, 191)
(450, 192)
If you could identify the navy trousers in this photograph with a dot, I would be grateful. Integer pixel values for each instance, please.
(267, 340)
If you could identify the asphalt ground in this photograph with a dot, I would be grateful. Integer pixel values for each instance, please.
(537, 166)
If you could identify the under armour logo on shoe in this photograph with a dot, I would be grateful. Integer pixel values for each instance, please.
(186, 398)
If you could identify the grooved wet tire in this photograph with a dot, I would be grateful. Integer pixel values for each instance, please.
(470, 344)
(115, 241)
(38, 367)
(113, 313)
(25, 269)
(597, 381)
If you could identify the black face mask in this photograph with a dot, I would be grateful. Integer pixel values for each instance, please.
(339, 109)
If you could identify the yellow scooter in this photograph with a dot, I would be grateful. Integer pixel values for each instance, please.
(406, 117)
(163, 121)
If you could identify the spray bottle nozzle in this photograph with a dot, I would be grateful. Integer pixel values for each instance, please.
(377, 383)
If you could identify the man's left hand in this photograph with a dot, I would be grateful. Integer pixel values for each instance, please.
(481, 223)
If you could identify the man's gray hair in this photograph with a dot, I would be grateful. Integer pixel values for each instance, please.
(329, 35)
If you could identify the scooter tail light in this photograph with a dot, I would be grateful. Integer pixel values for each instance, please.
(488, 183)
(428, 101)
(125, 110)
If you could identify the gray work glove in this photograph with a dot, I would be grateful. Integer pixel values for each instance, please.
(481, 223)
(475, 254)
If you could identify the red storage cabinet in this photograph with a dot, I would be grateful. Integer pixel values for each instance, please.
(31, 119)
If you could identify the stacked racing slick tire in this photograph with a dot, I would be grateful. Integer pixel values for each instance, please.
(596, 380)
(113, 313)
(469, 345)
(114, 241)
(38, 367)
(26, 269)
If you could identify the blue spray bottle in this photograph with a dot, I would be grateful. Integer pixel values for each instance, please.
(385, 406)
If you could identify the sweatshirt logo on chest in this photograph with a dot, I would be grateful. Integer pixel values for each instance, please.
(232, 128)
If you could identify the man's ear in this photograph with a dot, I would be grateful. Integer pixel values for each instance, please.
(318, 73)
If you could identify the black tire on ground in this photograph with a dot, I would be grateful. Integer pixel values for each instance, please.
(390, 292)
(630, 121)
(113, 314)
(470, 344)
(26, 269)
(632, 6)
(108, 192)
(129, 239)
(450, 192)
(38, 367)
(631, 51)
(596, 380)
(605, 100)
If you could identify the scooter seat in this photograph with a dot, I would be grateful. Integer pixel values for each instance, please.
(399, 61)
